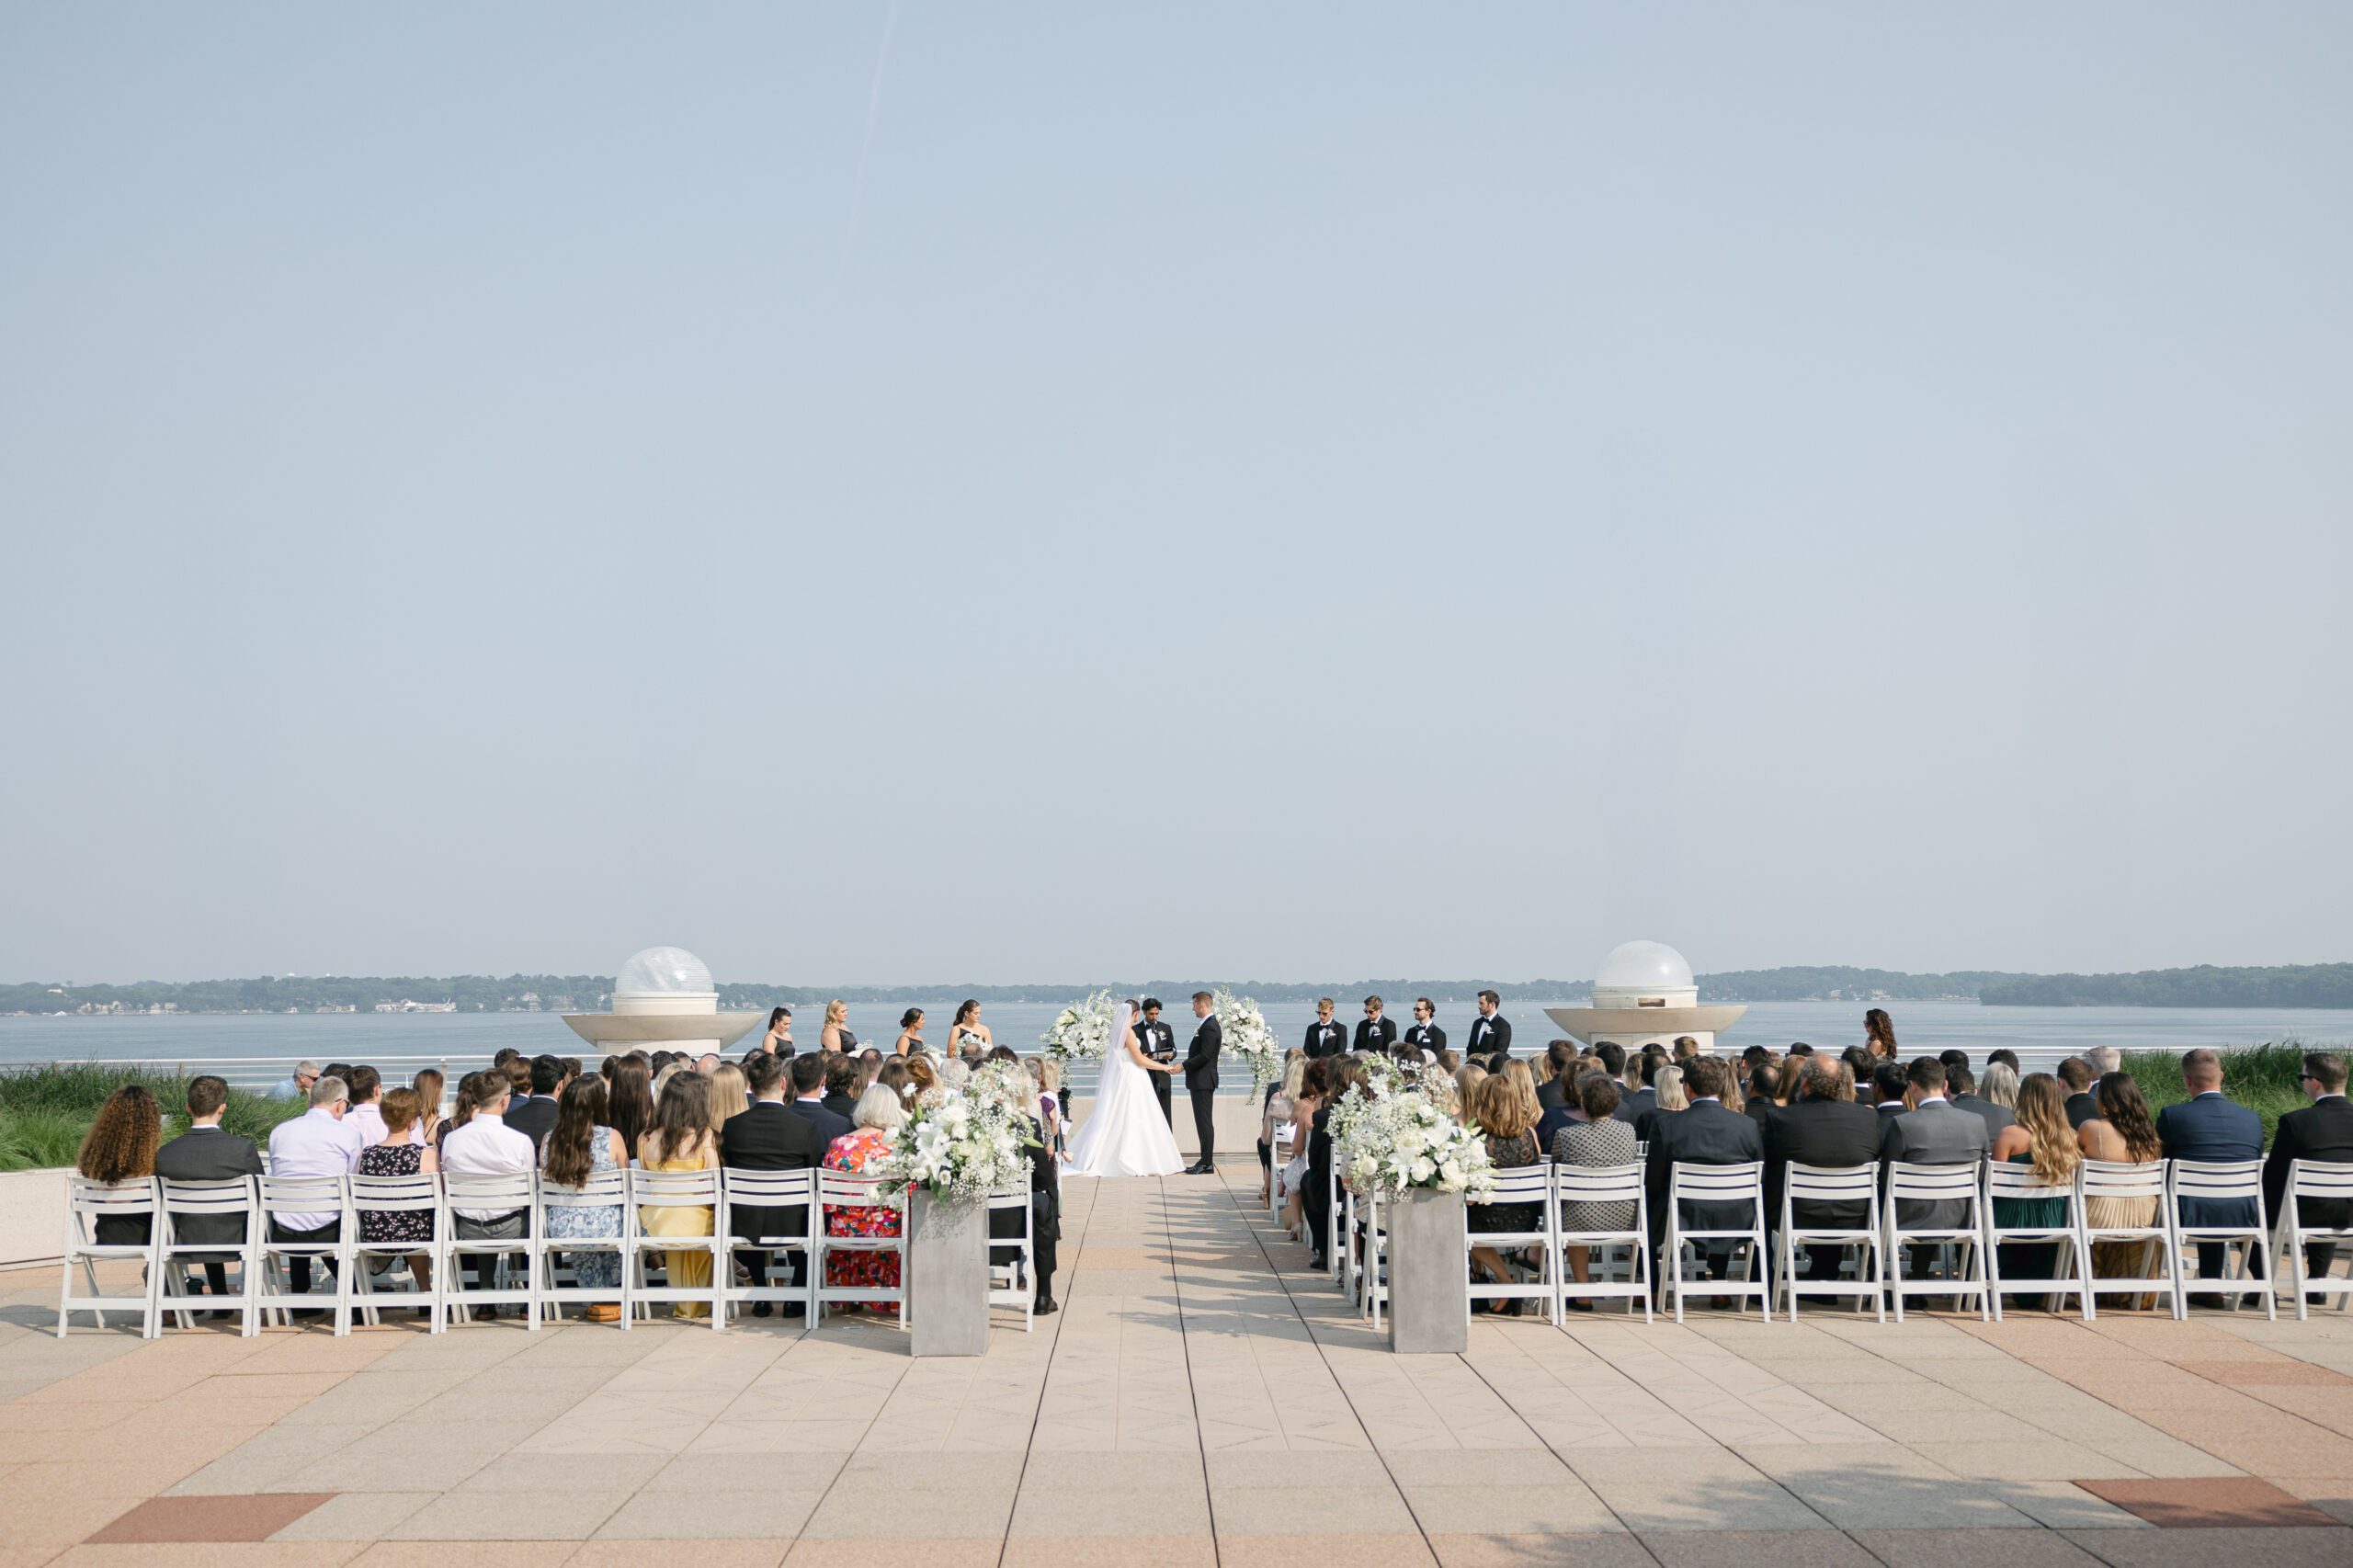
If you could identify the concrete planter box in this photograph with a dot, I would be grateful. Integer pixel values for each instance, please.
(32, 1216)
(946, 1277)
(1429, 1274)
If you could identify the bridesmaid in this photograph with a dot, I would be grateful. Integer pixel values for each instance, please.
(968, 1033)
(910, 1031)
(835, 1035)
(777, 1041)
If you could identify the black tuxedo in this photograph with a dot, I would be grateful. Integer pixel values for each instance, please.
(1836, 1133)
(1325, 1039)
(829, 1124)
(1426, 1037)
(1706, 1134)
(1200, 1077)
(207, 1154)
(2321, 1131)
(843, 1106)
(1489, 1036)
(1376, 1034)
(1637, 1106)
(533, 1117)
(1159, 1042)
(767, 1137)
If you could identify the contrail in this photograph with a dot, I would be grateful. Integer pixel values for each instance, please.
(866, 146)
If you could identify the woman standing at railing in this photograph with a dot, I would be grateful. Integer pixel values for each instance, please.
(835, 1035)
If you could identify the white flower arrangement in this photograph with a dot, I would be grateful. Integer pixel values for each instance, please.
(1242, 1032)
(963, 1143)
(1082, 1032)
(1390, 1136)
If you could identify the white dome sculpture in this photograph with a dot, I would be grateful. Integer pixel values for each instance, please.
(665, 972)
(1650, 968)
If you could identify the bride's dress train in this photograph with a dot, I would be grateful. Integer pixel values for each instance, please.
(1125, 1134)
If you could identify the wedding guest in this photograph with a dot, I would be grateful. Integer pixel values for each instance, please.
(1490, 1031)
(663, 1072)
(1376, 1033)
(681, 1140)
(367, 1087)
(1571, 1111)
(2082, 1105)
(777, 1041)
(1316, 1181)
(1273, 1110)
(1325, 1035)
(898, 1076)
(206, 1152)
(842, 1087)
(1507, 1117)
(923, 1075)
(1667, 1085)
(429, 1082)
(1047, 1073)
(809, 1095)
(583, 1144)
(835, 1035)
(628, 1106)
(2001, 1086)
(1306, 1099)
(483, 1144)
(2105, 1059)
(571, 1071)
(1642, 1088)
(533, 1114)
(1879, 1034)
(1863, 1067)
(880, 1117)
(2004, 1057)
(296, 1085)
(707, 1064)
(1426, 1036)
(1600, 1139)
(396, 1153)
(317, 1143)
(1822, 1126)
(1962, 1089)
(1891, 1090)
(1555, 1079)
(910, 1032)
(1736, 1098)
(2320, 1131)
(730, 1095)
(1523, 1083)
(2123, 1131)
(1685, 1047)
(120, 1146)
(967, 1030)
(2041, 1138)
(1449, 1062)
(768, 1137)
(461, 1109)
(1933, 1132)
(1765, 1095)
(1466, 1079)
(339, 1069)
(1704, 1134)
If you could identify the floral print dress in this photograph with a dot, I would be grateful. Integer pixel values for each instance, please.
(595, 1270)
(854, 1151)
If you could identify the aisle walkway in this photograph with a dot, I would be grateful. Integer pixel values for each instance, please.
(1200, 1400)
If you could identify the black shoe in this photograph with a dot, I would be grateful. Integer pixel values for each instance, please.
(1202, 1168)
(763, 1309)
(1320, 1264)
(1045, 1307)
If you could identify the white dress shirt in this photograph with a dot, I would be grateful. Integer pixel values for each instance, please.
(487, 1146)
(368, 1119)
(313, 1144)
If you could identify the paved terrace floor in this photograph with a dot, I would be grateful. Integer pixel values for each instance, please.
(1202, 1399)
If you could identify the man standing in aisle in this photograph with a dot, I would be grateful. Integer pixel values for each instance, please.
(1200, 1077)
(1490, 1031)
(1376, 1033)
(1426, 1035)
(1326, 1036)
(1158, 1042)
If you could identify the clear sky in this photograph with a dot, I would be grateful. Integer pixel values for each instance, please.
(1282, 492)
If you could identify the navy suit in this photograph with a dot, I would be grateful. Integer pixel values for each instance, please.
(2321, 1131)
(2212, 1127)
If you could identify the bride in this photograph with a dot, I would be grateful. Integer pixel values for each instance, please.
(1125, 1134)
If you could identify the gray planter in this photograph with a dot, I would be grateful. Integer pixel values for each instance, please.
(1429, 1274)
(946, 1277)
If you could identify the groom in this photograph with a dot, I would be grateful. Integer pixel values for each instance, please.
(1200, 1077)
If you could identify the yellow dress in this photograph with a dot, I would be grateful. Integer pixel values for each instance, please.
(688, 1270)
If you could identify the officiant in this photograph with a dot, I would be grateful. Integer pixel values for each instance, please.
(1158, 1042)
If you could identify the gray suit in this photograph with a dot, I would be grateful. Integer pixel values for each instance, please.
(1995, 1117)
(1937, 1134)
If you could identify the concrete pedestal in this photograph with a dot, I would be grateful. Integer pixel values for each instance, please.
(1429, 1274)
(946, 1277)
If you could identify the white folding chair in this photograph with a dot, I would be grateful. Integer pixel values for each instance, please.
(330, 1251)
(1345, 1260)
(1522, 1184)
(658, 1191)
(2322, 1181)
(1965, 1184)
(2073, 1261)
(841, 1189)
(1831, 1184)
(1285, 1145)
(231, 1198)
(2129, 1180)
(1743, 1184)
(419, 1194)
(1335, 1225)
(777, 1189)
(488, 1192)
(1370, 1272)
(87, 1202)
(1019, 1289)
(603, 1189)
(2222, 1181)
(1606, 1184)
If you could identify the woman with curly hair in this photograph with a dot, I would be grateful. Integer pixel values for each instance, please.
(120, 1146)
(1879, 1034)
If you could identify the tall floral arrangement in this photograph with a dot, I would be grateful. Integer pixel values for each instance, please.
(1242, 1032)
(1390, 1135)
(961, 1143)
(1082, 1032)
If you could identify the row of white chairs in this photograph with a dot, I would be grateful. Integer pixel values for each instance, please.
(532, 1270)
(1872, 1274)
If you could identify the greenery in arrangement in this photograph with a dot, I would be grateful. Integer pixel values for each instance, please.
(2267, 1077)
(44, 1111)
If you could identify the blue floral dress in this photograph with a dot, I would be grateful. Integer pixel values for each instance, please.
(595, 1270)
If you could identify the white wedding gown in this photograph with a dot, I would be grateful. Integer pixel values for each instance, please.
(1123, 1135)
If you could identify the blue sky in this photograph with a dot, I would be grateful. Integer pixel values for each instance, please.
(1242, 491)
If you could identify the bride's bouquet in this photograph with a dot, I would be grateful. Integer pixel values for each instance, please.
(1082, 1032)
(963, 1143)
(1242, 1032)
(1390, 1136)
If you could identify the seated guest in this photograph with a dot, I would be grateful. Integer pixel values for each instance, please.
(1502, 1112)
(120, 1146)
(1931, 1133)
(2320, 1131)
(768, 1137)
(1599, 1139)
(367, 1087)
(1549, 1125)
(2076, 1074)
(2001, 1086)
(841, 1081)
(429, 1082)
(1668, 1088)
(1641, 1079)
(729, 1094)
(1891, 1089)
(1273, 1113)
(296, 1085)
(2041, 1138)
(1466, 1079)
(1824, 1126)
(485, 1145)
(1800, 1048)
(1962, 1090)
(397, 1153)
(2210, 1126)
(1045, 1213)
(880, 1117)
(2123, 1131)
(317, 1143)
(809, 1094)
(681, 1140)
(2006, 1057)
(534, 1117)
(1522, 1080)
(1952, 1058)
(629, 1103)
(1765, 1095)
(1306, 1098)
(1557, 1082)
(581, 1145)
(208, 1153)
(1315, 1183)
(1704, 1134)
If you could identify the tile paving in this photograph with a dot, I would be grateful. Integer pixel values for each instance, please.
(1203, 1400)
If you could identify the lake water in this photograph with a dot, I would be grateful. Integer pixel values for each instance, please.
(255, 1049)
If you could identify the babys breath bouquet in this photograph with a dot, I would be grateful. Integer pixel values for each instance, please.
(959, 1144)
(1390, 1136)
(1242, 1032)
(1082, 1032)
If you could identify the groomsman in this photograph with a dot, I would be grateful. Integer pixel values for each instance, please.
(1490, 1031)
(1201, 1079)
(1158, 1042)
(1325, 1035)
(1376, 1033)
(1425, 1034)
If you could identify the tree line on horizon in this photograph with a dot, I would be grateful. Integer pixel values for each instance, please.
(2207, 985)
